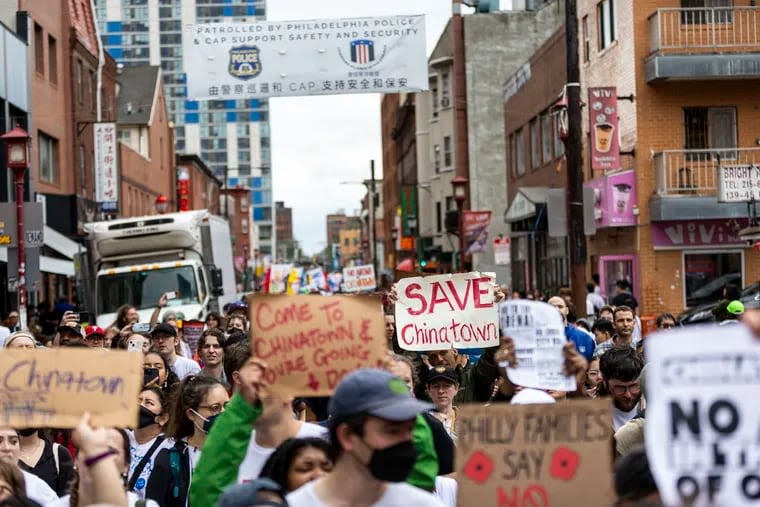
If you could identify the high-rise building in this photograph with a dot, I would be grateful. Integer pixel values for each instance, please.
(231, 136)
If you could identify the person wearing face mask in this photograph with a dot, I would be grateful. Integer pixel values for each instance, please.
(50, 462)
(147, 439)
(371, 431)
(196, 405)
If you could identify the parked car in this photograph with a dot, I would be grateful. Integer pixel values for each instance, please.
(750, 296)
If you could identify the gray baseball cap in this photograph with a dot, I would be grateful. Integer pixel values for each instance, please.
(375, 392)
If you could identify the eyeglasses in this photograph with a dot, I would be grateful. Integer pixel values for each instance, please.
(620, 390)
(216, 408)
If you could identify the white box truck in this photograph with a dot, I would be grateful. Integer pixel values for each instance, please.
(136, 260)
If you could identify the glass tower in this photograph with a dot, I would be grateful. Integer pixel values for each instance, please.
(231, 136)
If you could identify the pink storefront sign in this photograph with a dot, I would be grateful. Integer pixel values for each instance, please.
(698, 233)
(614, 199)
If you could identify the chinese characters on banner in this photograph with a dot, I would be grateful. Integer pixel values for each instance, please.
(183, 189)
(603, 119)
(318, 57)
(476, 231)
(106, 167)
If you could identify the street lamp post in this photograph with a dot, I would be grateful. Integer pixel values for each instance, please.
(459, 184)
(17, 159)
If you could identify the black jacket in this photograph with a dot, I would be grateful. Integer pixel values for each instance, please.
(169, 488)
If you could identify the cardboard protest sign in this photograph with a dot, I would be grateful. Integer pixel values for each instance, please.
(52, 388)
(539, 335)
(535, 455)
(702, 415)
(311, 342)
(446, 311)
(278, 278)
(359, 278)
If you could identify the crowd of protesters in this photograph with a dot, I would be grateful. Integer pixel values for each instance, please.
(212, 432)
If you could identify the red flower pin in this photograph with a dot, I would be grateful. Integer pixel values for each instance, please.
(479, 467)
(564, 464)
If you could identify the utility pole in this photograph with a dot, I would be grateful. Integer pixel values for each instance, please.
(574, 154)
(372, 245)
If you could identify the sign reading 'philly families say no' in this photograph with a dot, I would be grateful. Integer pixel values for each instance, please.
(535, 455)
(53, 388)
(446, 311)
(310, 343)
(702, 416)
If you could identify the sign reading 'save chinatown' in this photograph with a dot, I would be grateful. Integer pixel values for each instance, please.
(316, 57)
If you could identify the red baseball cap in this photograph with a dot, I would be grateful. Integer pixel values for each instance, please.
(91, 330)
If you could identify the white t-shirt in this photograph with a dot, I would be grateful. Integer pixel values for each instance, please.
(256, 456)
(185, 349)
(446, 490)
(132, 499)
(38, 490)
(397, 494)
(619, 418)
(137, 451)
(4, 334)
(183, 367)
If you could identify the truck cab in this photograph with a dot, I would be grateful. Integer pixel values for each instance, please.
(136, 260)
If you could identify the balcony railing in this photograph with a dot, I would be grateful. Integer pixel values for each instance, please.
(709, 29)
(694, 172)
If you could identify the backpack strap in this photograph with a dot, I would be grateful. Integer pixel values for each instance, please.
(57, 458)
(174, 457)
(144, 461)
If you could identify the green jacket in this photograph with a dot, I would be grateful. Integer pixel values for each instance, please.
(227, 444)
(223, 452)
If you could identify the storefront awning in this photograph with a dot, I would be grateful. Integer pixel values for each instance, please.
(60, 243)
(524, 204)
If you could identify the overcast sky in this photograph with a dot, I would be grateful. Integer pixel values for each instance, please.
(319, 142)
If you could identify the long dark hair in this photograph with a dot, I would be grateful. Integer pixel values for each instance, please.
(278, 464)
(188, 395)
(121, 316)
(172, 380)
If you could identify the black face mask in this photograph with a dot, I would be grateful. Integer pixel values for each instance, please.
(394, 463)
(146, 418)
(27, 432)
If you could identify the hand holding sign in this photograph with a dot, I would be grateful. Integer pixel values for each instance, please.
(539, 335)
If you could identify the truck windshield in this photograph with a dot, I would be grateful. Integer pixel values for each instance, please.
(143, 288)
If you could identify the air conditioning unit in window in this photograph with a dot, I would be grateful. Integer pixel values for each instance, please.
(444, 102)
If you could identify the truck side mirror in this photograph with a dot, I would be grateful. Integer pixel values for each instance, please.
(217, 286)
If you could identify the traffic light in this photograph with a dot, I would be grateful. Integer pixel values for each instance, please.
(423, 263)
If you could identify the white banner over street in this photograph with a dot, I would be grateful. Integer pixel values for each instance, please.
(702, 415)
(447, 311)
(317, 57)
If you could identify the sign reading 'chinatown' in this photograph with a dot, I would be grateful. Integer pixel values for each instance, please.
(318, 57)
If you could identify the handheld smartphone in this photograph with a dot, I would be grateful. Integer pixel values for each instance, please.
(149, 375)
(83, 317)
(135, 344)
(141, 327)
(171, 295)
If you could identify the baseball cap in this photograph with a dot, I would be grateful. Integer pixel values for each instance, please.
(443, 373)
(164, 329)
(247, 494)
(735, 307)
(91, 330)
(71, 327)
(375, 392)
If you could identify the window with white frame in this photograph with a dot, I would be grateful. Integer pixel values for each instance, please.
(535, 143)
(605, 17)
(447, 151)
(547, 136)
(520, 151)
(48, 149)
(437, 158)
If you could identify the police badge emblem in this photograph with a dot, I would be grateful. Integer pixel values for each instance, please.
(244, 62)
